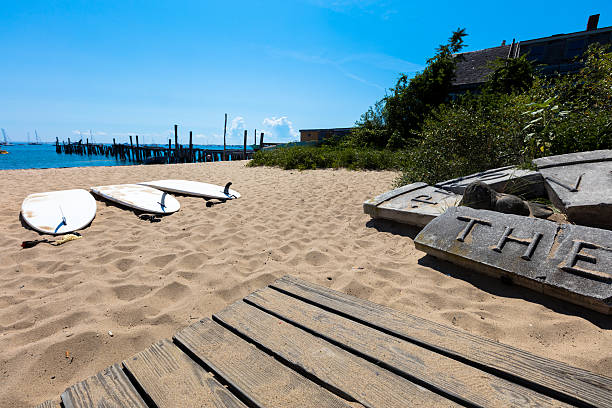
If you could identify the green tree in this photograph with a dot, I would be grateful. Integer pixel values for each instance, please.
(397, 118)
(371, 129)
(510, 75)
(563, 114)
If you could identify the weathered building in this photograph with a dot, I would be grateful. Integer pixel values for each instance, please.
(474, 67)
(318, 135)
(556, 53)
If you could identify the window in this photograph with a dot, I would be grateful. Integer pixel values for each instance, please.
(574, 48)
(536, 52)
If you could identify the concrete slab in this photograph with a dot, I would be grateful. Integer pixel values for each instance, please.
(570, 262)
(415, 204)
(580, 184)
(509, 180)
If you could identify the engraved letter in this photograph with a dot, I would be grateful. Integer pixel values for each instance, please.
(423, 198)
(471, 222)
(531, 243)
(574, 256)
(562, 184)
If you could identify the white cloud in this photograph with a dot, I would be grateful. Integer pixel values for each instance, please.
(235, 134)
(279, 130)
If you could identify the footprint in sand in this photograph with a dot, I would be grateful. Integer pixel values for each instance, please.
(131, 292)
(173, 292)
(162, 260)
(192, 261)
(124, 264)
(316, 258)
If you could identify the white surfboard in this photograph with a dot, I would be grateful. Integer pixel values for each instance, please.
(194, 188)
(142, 198)
(59, 212)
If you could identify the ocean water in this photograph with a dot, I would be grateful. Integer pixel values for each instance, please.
(24, 156)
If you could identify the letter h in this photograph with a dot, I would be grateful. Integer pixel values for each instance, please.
(531, 243)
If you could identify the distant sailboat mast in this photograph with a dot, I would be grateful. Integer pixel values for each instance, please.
(6, 141)
(35, 142)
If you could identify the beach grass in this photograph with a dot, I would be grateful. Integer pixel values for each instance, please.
(312, 157)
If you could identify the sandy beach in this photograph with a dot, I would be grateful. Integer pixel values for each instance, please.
(144, 281)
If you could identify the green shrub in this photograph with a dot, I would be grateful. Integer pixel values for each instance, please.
(466, 136)
(395, 120)
(311, 157)
(557, 115)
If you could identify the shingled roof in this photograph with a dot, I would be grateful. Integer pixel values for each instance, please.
(473, 67)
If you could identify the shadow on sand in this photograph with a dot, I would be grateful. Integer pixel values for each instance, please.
(504, 288)
(393, 227)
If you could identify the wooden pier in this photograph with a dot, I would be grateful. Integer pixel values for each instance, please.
(174, 153)
(295, 344)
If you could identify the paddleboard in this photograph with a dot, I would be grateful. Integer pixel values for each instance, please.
(194, 188)
(59, 212)
(138, 197)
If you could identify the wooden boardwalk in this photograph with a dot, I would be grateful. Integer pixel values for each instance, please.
(295, 344)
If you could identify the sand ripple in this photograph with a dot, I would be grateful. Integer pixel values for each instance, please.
(144, 281)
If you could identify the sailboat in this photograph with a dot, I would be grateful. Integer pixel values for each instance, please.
(37, 142)
(6, 141)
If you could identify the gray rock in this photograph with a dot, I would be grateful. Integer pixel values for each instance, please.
(511, 204)
(580, 184)
(539, 210)
(509, 180)
(481, 196)
(415, 204)
(570, 262)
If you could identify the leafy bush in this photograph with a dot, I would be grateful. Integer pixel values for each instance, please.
(310, 157)
(396, 119)
(557, 115)
(572, 112)
(466, 136)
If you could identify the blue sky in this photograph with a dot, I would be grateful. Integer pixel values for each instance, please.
(138, 67)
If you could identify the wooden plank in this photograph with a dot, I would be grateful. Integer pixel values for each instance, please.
(171, 379)
(245, 144)
(110, 388)
(258, 377)
(552, 377)
(449, 377)
(48, 404)
(363, 381)
(224, 133)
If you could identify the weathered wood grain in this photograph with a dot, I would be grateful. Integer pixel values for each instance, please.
(260, 378)
(449, 377)
(363, 381)
(171, 379)
(552, 377)
(110, 388)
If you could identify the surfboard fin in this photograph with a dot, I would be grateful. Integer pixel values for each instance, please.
(226, 189)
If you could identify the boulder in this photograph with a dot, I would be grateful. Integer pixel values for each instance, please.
(480, 195)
